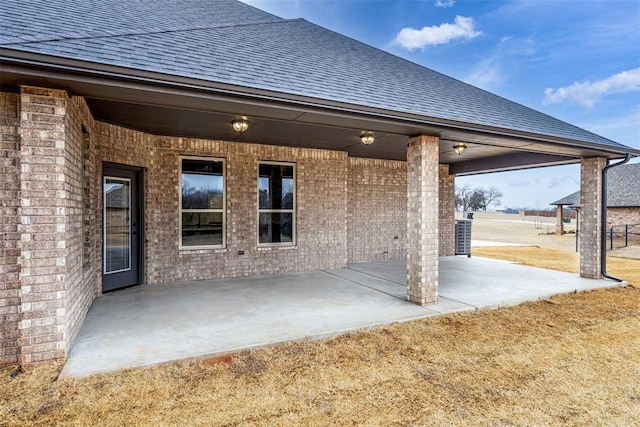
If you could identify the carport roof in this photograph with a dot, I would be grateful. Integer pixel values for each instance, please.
(229, 46)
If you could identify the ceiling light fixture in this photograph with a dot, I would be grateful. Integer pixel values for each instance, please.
(459, 148)
(367, 138)
(240, 125)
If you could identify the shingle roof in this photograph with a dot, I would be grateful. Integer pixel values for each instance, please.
(571, 200)
(228, 42)
(44, 20)
(623, 183)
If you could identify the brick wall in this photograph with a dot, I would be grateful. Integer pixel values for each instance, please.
(619, 217)
(447, 209)
(56, 288)
(320, 222)
(82, 272)
(51, 248)
(9, 236)
(377, 200)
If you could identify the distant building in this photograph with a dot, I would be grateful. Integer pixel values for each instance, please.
(623, 198)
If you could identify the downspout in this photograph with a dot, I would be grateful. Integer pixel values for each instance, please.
(603, 220)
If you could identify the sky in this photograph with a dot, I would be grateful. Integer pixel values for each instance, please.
(576, 60)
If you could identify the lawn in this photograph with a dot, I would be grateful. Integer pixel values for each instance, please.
(570, 360)
(553, 259)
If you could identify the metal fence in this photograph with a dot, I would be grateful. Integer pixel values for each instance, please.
(621, 236)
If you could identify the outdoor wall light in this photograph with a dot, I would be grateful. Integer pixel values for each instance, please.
(459, 148)
(240, 125)
(367, 138)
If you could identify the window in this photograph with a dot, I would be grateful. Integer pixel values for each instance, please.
(276, 204)
(202, 203)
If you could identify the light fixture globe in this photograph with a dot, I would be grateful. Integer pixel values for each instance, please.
(367, 138)
(459, 148)
(240, 125)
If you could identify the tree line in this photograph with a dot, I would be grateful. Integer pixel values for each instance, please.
(477, 199)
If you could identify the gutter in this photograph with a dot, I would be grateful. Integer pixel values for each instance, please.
(603, 220)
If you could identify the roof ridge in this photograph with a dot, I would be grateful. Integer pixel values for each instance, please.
(110, 34)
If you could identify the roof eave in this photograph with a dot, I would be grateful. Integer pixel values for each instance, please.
(40, 64)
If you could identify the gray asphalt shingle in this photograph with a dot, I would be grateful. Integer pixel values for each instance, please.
(571, 200)
(229, 42)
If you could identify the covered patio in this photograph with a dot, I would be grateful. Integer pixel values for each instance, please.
(149, 325)
(135, 165)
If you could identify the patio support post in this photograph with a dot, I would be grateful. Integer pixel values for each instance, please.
(590, 242)
(43, 224)
(422, 219)
(447, 195)
(559, 223)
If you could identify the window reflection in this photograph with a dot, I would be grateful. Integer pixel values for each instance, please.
(202, 205)
(276, 200)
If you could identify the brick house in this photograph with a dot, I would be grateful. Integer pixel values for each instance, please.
(204, 139)
(623, 200)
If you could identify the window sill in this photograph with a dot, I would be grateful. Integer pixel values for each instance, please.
(202, 250)
(276, 247)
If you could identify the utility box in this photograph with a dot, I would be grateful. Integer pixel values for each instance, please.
(463, 237)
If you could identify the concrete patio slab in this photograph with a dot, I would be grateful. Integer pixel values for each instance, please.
(148, 325)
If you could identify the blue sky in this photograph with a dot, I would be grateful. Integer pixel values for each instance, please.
(577, 60)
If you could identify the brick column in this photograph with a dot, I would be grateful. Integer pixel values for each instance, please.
(447, 195)
(10, 315)
(590, 245)
(559, 223)
(42, 224)
(422, 220)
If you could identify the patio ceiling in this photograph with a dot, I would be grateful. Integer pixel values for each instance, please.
(191, 110)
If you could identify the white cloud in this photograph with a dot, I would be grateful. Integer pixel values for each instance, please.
(588, 93)
(562, 181)
(444, 3)
(463, 27)
(486, 74)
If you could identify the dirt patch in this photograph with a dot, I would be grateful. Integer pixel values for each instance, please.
(567, 360)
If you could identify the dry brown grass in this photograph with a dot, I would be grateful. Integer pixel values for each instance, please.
(624, 268)
(571, 360)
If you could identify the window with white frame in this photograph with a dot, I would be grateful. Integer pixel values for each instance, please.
(276, 204)
(202, 203)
